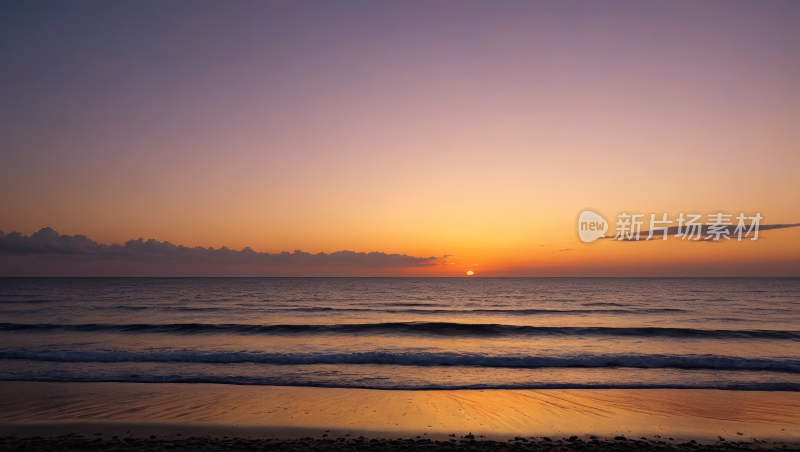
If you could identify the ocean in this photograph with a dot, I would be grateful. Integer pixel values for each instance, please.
(406, 333)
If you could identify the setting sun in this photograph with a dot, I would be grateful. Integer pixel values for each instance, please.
(470, 273)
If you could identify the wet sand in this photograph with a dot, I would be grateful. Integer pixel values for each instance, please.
(177, 411)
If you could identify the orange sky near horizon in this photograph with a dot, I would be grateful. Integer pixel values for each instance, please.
(465, 129)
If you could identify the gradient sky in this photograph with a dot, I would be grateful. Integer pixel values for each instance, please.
(477, 130)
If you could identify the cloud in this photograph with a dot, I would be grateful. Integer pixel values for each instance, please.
(704, 231)
(49, 242)
(568, 249)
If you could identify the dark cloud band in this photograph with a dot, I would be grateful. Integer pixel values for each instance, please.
(49, 242)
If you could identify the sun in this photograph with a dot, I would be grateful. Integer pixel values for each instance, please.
(470, 273)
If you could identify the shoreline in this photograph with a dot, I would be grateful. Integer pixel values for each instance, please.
(426, 389)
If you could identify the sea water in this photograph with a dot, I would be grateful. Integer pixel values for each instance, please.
(406, 333)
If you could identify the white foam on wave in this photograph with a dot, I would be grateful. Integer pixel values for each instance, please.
(417, 359)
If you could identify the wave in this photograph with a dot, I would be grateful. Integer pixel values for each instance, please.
(419, 309)
(412, 305)
(390, 385)
(605, 304)
(713, 362)
(485, 311)
(10, 301)
(406, 328)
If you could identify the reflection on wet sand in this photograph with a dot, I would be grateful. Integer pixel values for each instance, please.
(292, 411)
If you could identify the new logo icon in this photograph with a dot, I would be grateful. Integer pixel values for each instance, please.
(591, 226)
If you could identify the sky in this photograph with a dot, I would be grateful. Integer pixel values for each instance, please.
(463, 135)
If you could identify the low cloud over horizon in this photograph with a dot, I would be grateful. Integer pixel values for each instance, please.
(46, 241)
(702, 230)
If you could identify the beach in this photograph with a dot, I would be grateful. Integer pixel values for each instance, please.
(176, 412)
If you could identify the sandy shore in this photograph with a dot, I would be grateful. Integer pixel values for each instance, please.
(178, 411)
